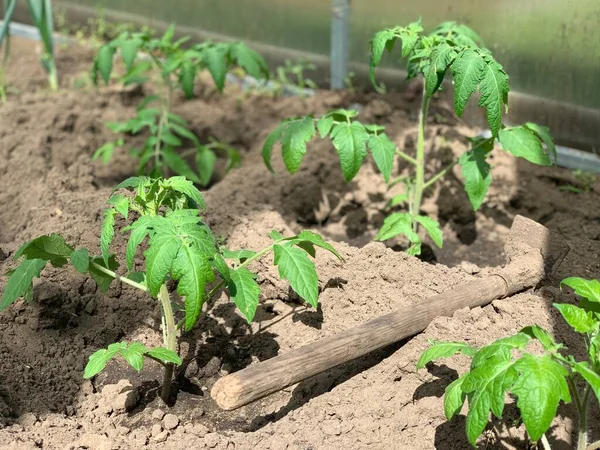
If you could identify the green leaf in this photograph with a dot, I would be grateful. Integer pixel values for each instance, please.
(588, 375)
(120, 203)
(205, 163)
(395, 224)
(170, 139)
(104, 61)
(187, 74)
(316, 239)
(276, 235)
(383, 151)
(134, 355)
(477, 175)
(140, 229)
(215, 59)
(439, 350)
(96, 364)
(244, 291)
(541, 335)
(294, 138)
(249, 60)
(324, 126)
(381, 41)
(295, 266)
(500, 349)
(240, 255)
(486, 385)
(50, 247)
(589, 289)
(454, 397)
(103, 280)
(267, 149)
(162, 251)
(543, 133)
(106, 151)
(350, 142)
(433, 229)
(180, 184)
(80, 260)
(21, 280)
(579, 319)
(540, 387)
(193, 272)
(441, 57)
(467, 70)
(523, 143)
(129, 49)
(165, 355)
(178, 165)
(108, 232)
(494, 89)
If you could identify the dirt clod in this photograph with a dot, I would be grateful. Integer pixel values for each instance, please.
(170, 421)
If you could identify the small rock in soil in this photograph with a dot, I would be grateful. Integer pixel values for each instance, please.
(161, 437)
(192, 368)
(139, 437)
(92, 441)
(27, 420)
(122, 431)
(171, 421)
(212, 366)
(156, 429)
(211, 440)
(158, 414)
(121, 397)
(199, 430)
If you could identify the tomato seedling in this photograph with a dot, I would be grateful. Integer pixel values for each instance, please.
(180, 248)
(449, 47)
(539, 381)
(173, 67)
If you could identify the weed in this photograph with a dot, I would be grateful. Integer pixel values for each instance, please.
(181, 248)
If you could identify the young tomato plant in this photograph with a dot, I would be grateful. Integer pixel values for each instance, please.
(539, 381)
(450, 48)
(174, 67)
(180, 248)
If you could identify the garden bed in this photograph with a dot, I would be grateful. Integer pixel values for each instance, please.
(48, 184)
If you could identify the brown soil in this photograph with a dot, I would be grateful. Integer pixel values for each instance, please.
(48, 184)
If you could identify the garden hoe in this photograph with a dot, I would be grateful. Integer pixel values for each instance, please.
(533, 253)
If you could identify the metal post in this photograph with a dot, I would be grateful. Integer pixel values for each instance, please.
(340, 18)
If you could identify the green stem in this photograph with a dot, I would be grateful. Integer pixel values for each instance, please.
(170, 340)
(53, 76)
(420, 160)
(165, 106)
(582, 434)
(439, 175)
(116, 276)
(594, 446)
(545, 443)
(406, 157)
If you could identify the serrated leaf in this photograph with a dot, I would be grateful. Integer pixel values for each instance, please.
(441, 57)
(543, 133)
(467, 71)
(454, 397)
(267, 149)
(539, 388)
(50, 247)
(316, 239)
(129, 49)
(139, 231)
(193, 272)
(162, 251)
(80, 260)
(104, 61)
(439, 350)
(486, 385)
(383, 151)
(523, 143)
(324, 125)
(579, 319)
(187, 75)
(96, 363)
(295, 266)
(106, 151)
(276, 235)
(294, 138)
(108, 232)
(120, 203)
(180, 184)
(240, 255)
(103, 280)
(165, 355)
(215, 59)
(21, 280)
(396, 224)
(205, 164)
(433, 229)
(178, 165)
(378, 45)
(588, 375)
(350, 142)
(249, 60)
(244, 291)
(589, 289)
(477, 175)
(396, 200)
(494, 93)
(134, 355)
(536, 332)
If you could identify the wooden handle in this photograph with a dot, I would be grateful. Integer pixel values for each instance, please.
(264, 378)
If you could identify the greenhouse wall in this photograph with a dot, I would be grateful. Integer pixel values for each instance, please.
(550, 48)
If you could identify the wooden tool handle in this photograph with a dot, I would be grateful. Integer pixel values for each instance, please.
(264, 378)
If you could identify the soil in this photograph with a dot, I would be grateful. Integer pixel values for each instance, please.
(380, 401)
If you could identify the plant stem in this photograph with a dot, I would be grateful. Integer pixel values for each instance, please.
(406, 157)
(165, 107)
(545, 443)
(583, 407)
(420, 165)
(53, 76)
(170, 340)
(594, 446)
(116, 276)
(439, 175)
